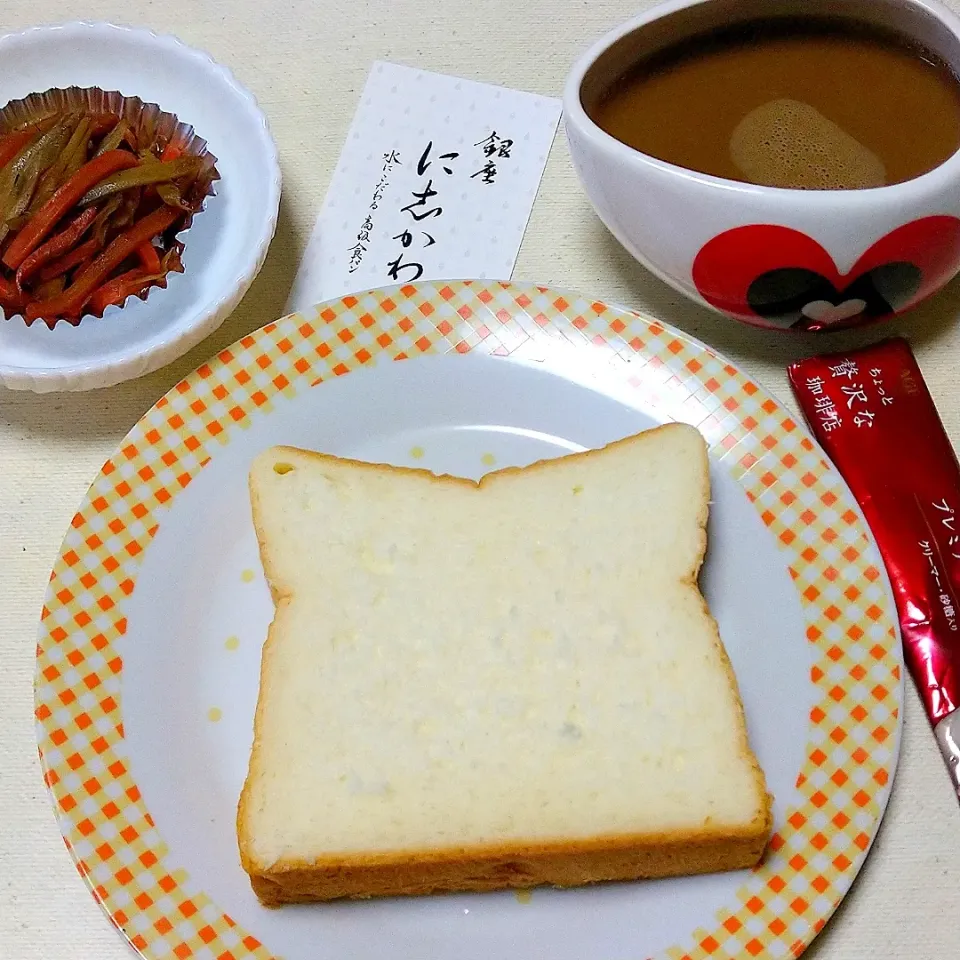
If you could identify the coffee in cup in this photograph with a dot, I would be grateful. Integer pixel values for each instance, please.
(807, 102)
(792, 164)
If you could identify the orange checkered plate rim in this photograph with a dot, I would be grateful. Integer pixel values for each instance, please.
(856, 677)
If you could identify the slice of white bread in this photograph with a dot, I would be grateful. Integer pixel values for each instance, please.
(469, 687)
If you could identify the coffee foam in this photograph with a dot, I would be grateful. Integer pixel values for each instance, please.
(787, 143)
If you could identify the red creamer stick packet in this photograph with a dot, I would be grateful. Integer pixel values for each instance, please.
(873, 415)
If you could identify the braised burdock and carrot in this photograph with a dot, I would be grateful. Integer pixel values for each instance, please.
(91, 203)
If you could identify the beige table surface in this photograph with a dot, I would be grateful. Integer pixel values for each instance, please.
(306, 61)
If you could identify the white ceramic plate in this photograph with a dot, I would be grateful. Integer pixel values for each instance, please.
(150, 642)
(225, 246)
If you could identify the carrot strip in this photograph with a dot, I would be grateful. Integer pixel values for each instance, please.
(9, 295)
(74, 258)
(56, 246)
(117, 290)
(60, 203)
(149, 258)
(75, 297)
(171, 152)
(137, 281)
(14, 142)
(102, 122)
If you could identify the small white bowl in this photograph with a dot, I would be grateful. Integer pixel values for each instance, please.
(225, 246)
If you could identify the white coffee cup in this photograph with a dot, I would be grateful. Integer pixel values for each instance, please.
(769, 256)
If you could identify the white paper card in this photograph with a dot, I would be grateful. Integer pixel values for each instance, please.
(436, 181)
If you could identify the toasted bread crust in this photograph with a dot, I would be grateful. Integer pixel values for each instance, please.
(562, 863)
(479, 869)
